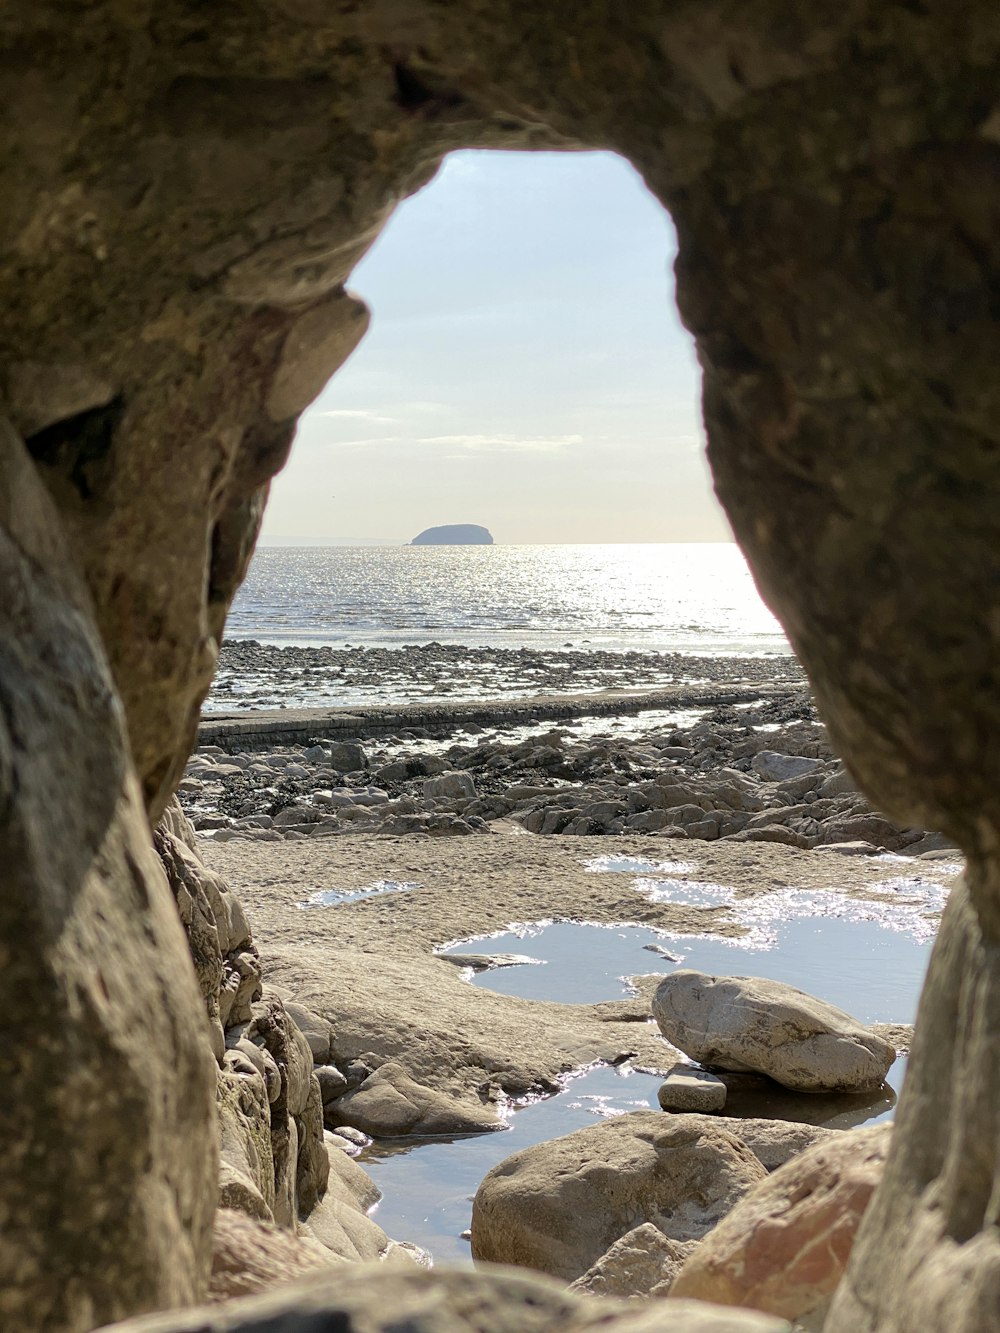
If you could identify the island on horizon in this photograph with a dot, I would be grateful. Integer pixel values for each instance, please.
(454, 534)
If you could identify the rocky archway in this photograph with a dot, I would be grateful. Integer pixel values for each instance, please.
(187, 188)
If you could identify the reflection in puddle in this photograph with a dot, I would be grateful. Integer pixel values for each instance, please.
(636, 865)
(334, 897)
(909, 905)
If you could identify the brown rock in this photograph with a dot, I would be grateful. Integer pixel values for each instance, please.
(785, 1245)
(107, 1076)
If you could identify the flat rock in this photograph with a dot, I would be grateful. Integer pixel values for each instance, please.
(785, 1245)
(751, 1024)
(389, 1103)
(559, 1206)
(688, 1089)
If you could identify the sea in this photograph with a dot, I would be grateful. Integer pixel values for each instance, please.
(691, 598)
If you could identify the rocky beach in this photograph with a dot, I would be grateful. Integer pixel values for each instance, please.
(464, 910)
(660, 744)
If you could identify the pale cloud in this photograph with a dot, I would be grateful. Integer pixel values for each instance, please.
(355, 414)
(366, 442)
(504, 443)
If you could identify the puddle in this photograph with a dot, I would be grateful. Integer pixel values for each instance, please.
(635, 865)
(334, 897)
(872, 972)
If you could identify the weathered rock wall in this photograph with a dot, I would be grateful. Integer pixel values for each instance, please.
(109, 1174)
(186, 189)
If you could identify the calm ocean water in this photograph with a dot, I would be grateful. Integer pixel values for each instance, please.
(689, 598)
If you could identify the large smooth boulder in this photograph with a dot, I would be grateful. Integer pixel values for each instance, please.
(559, 1206)
(371, 1298)
(785, 1246)
(750, 1024)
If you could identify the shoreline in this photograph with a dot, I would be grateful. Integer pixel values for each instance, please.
(258, 728)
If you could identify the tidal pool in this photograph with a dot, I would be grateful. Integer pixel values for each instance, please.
(864, 959)
(334, 897)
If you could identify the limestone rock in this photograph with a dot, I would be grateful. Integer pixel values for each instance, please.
(689, 1089)
(558, 1207)
(390, 1103)
(250, 1256)
(752, 1024)
(244, 1120)
(785, 1245)
(643, 1262)
(274, 1029)
(450, 786)
(774, 767)
(313, 1163)
(380, 1299)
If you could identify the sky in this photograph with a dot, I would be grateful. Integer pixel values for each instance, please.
(525, 370)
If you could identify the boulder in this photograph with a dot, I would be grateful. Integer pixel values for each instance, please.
(558, 1207)
(450, 787)
(643, 1262)
(785, 1245)
(752, 1024)
(773, 767)
(346, 756)
(332, 1083)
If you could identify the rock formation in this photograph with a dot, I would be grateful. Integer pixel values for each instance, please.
(185, 194)
(454, 534)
